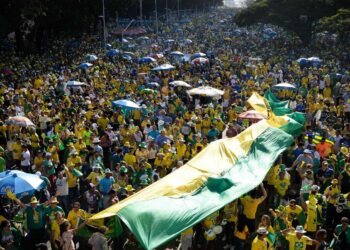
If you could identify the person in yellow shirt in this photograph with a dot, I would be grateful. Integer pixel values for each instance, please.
(331, 192)
(180, 149)
(55, 229)
(75, 214)
(103, 122)
(250, 206)
(281, 184)
(297, 239)
(53, 149)
(75, 160)
(293, 211)
(39, 160)
(129, 157)
(16, 149)
(72, 182)
(260, 242)
(96, 175)
(230, 214)
(311, 219)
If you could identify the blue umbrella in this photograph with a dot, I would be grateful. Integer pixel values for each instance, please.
(147, 59)
(197, 55)
(125, 104)
(164, 67)
(302, 60)
(112, 52)
(19, 182)
(84, 65)
(153, 84)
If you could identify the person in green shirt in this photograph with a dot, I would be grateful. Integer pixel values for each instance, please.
(35, 214)
(342, 235)
(51, 210)
(2, 160)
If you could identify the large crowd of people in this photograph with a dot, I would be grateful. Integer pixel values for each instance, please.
(92, 154)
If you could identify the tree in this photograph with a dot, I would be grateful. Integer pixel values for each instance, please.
(297, 16)
(338, 23)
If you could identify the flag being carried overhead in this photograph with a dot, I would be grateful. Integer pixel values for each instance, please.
(222, 172)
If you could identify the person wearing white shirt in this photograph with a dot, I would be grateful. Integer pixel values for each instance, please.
(62, 190)
(25, 159)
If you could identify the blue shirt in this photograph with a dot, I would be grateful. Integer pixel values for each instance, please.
(106, 184)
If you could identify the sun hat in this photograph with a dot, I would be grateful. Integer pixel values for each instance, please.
(315, 188)
(96, 140)
(54, 200)
(108, 171)
(123, 169)
(144, 182)
(129, 188)
(334, 181)
(344, 150)
(307, 151)
(33, 200)
(217, 229)
(300, 229)
(261, 230)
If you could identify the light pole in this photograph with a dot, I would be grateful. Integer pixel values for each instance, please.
(178, 9)
(104, 22)
(166, 10)
(141, 12)
(127, 28)
(155, 6)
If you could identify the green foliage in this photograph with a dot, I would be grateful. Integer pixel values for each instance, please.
(298, 16)
(338, 23)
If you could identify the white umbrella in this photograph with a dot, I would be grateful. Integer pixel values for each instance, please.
(20, 121)
(200, 60)
(164, 67)
(176, 53)
(180, 84)
(285, 85)
(126, 104)
(91, 58)
(206, 91)
(75, 84)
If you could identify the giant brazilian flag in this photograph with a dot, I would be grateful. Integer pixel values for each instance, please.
(222, 172)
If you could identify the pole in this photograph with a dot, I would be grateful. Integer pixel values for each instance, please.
(127, 28)
(155, 6)
(141, 17)
(178, 9)
(166, 11)
(104, 22)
